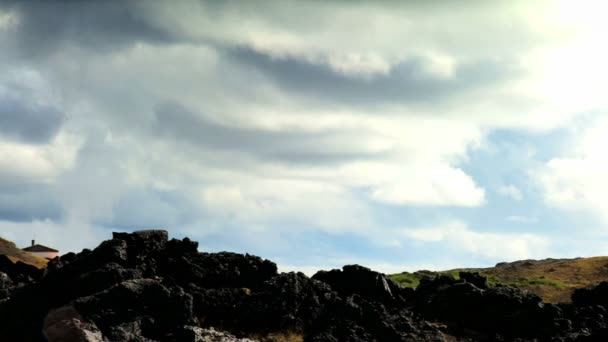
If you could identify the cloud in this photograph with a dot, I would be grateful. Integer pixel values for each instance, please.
(144, 208)
(36, 164)
(244, 125)
(431, 185)
(509, 246)
(412, 80)
(20, 203)
(276, 202)
(522, 219)
(30, 123)
(577, 179)
(28, 112)
(510, 191)
(177, 123)
(46, 28)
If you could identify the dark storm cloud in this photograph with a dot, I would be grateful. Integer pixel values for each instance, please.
(407, 82)
(45, 26)
(180, 124)
(28, 122)
(23, 203)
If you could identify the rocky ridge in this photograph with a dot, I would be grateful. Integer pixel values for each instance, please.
(554, 280)
(144, 287)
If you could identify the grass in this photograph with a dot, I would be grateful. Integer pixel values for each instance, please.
(547, 282)
(551, 279)
(406, 279)
(9, 249)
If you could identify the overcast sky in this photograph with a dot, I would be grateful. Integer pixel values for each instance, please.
(397, 135)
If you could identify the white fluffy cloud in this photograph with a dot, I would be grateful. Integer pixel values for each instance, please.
(430, 185)
(23, 163)
(263, 202)
(577, 180)
(510, 246)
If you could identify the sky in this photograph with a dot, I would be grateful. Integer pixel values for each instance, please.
(397, 135)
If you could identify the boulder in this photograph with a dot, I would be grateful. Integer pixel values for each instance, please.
(355, 279)
(474, 278)
(138, 307)
(66, 325)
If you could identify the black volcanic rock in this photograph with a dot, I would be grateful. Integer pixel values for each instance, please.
(592, 295)
(144, 287)
(474, 278)
(138, 307)
(496, 311)
(355, 279)
(355, 318)
(136, 286)
(6, 285)
(19, 272)
(219, 270)
(287, 302)
(65, 324)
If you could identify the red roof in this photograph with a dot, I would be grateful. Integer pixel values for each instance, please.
(39, 248)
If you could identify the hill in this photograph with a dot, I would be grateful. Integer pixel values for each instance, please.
(551, 279)
(14, 253)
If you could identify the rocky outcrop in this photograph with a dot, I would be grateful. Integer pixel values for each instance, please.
(503, 311)
(355, 279)
(19, 272)
(65, 324)
(145, 287)
(474, 278)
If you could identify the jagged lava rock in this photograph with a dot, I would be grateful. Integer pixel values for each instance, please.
(490, 311)
(65, 324)
(19, 272)
(145, 287)
(356, 279)
(591, 295)
(474, 278)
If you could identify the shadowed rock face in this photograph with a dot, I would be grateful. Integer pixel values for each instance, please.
(143, 286)
(19, 272)
(594, 295)
(355, 279)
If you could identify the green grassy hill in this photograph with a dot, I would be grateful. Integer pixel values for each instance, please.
(552, 279)
(14, 253)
